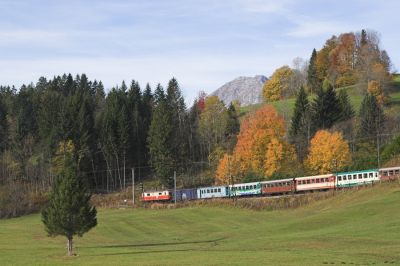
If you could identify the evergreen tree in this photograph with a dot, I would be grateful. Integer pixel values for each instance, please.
(300, 130)
(371, 118)
(232, 127)
(325, 109)
(159, 140)
(313, 82)
(3, 125)
(146, 110)
(134, 101)
(346, 109)
(69, 211)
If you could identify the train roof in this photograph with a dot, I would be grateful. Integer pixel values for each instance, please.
(314, 176)
(241, 184)
(389, 168)
(277, 181)
(357, 172)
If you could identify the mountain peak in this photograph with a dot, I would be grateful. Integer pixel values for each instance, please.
(246, 90)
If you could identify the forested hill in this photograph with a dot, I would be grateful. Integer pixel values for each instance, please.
(340, 106)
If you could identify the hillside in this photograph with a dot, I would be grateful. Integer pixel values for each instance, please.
(286, 106)
(246, 90)
(358, 227)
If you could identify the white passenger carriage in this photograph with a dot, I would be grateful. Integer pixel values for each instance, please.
(212, 192)
(356, 178)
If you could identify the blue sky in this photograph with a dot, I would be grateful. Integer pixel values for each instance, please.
(202, 43)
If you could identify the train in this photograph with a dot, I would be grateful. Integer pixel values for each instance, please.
(294, 185)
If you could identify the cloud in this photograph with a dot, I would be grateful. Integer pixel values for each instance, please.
(306, 27)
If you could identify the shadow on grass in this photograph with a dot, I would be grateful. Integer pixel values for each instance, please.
(160, 244)
(140, 252)
(215, 241)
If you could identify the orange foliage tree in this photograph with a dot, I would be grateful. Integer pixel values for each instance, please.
(261, 147)
(328, 152)
(375, 88)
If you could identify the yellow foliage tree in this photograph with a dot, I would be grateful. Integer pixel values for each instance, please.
(328, 152)
(375, 88)
(226, 170)
(278, 84)
(261, 148)
(65, 149)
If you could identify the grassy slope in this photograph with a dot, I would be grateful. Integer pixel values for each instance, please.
(287, 105)
(356, 227)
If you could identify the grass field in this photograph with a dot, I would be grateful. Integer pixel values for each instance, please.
(356, 227)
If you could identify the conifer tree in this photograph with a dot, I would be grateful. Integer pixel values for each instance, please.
(69, 211)
(347, 111)
(313, 82)
(160, 139)
(325, 109)
(371, 118)
(3, 125)
(232, 127)
(300, 130)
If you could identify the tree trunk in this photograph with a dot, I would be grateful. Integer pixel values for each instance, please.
(69, 246)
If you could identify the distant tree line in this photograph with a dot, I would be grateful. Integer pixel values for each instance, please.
(110, 133)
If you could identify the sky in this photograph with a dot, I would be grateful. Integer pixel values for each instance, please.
(202, 43)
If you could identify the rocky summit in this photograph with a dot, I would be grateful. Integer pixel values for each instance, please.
(246, 90)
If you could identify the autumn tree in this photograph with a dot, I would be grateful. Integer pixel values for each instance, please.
(375, 89)
(328, 153)
(261, 147)
(278, 85)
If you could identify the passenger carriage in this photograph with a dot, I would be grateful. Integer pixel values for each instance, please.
(164, 195)
(275, 187)
(389, 174)
(356, 178)
(245, 189)
(212, 192)
(314, 183)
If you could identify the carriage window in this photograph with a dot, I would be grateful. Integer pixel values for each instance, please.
(208, 190)
(339, 178)
(391, 172)
(317, 180)
(326, 179)
(396, 172)
(344, 177)
(376, 174)
(349, 177)
(365, 175)
(354, 177)
(371, 175)
(308, 181)
(219, 190)
(159, 193)
(148, 194)
(359, 176)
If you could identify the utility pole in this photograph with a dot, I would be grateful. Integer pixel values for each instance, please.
(175, 187)
(133, 187)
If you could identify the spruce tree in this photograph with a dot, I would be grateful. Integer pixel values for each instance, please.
(347, 111)
(313, 82)
(232, 127)
(3, 125)
(160, 139)
(300, 125)
(371, 118)
(69, 211)
(325, 109)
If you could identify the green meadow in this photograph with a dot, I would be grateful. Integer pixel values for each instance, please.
(356, 227)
